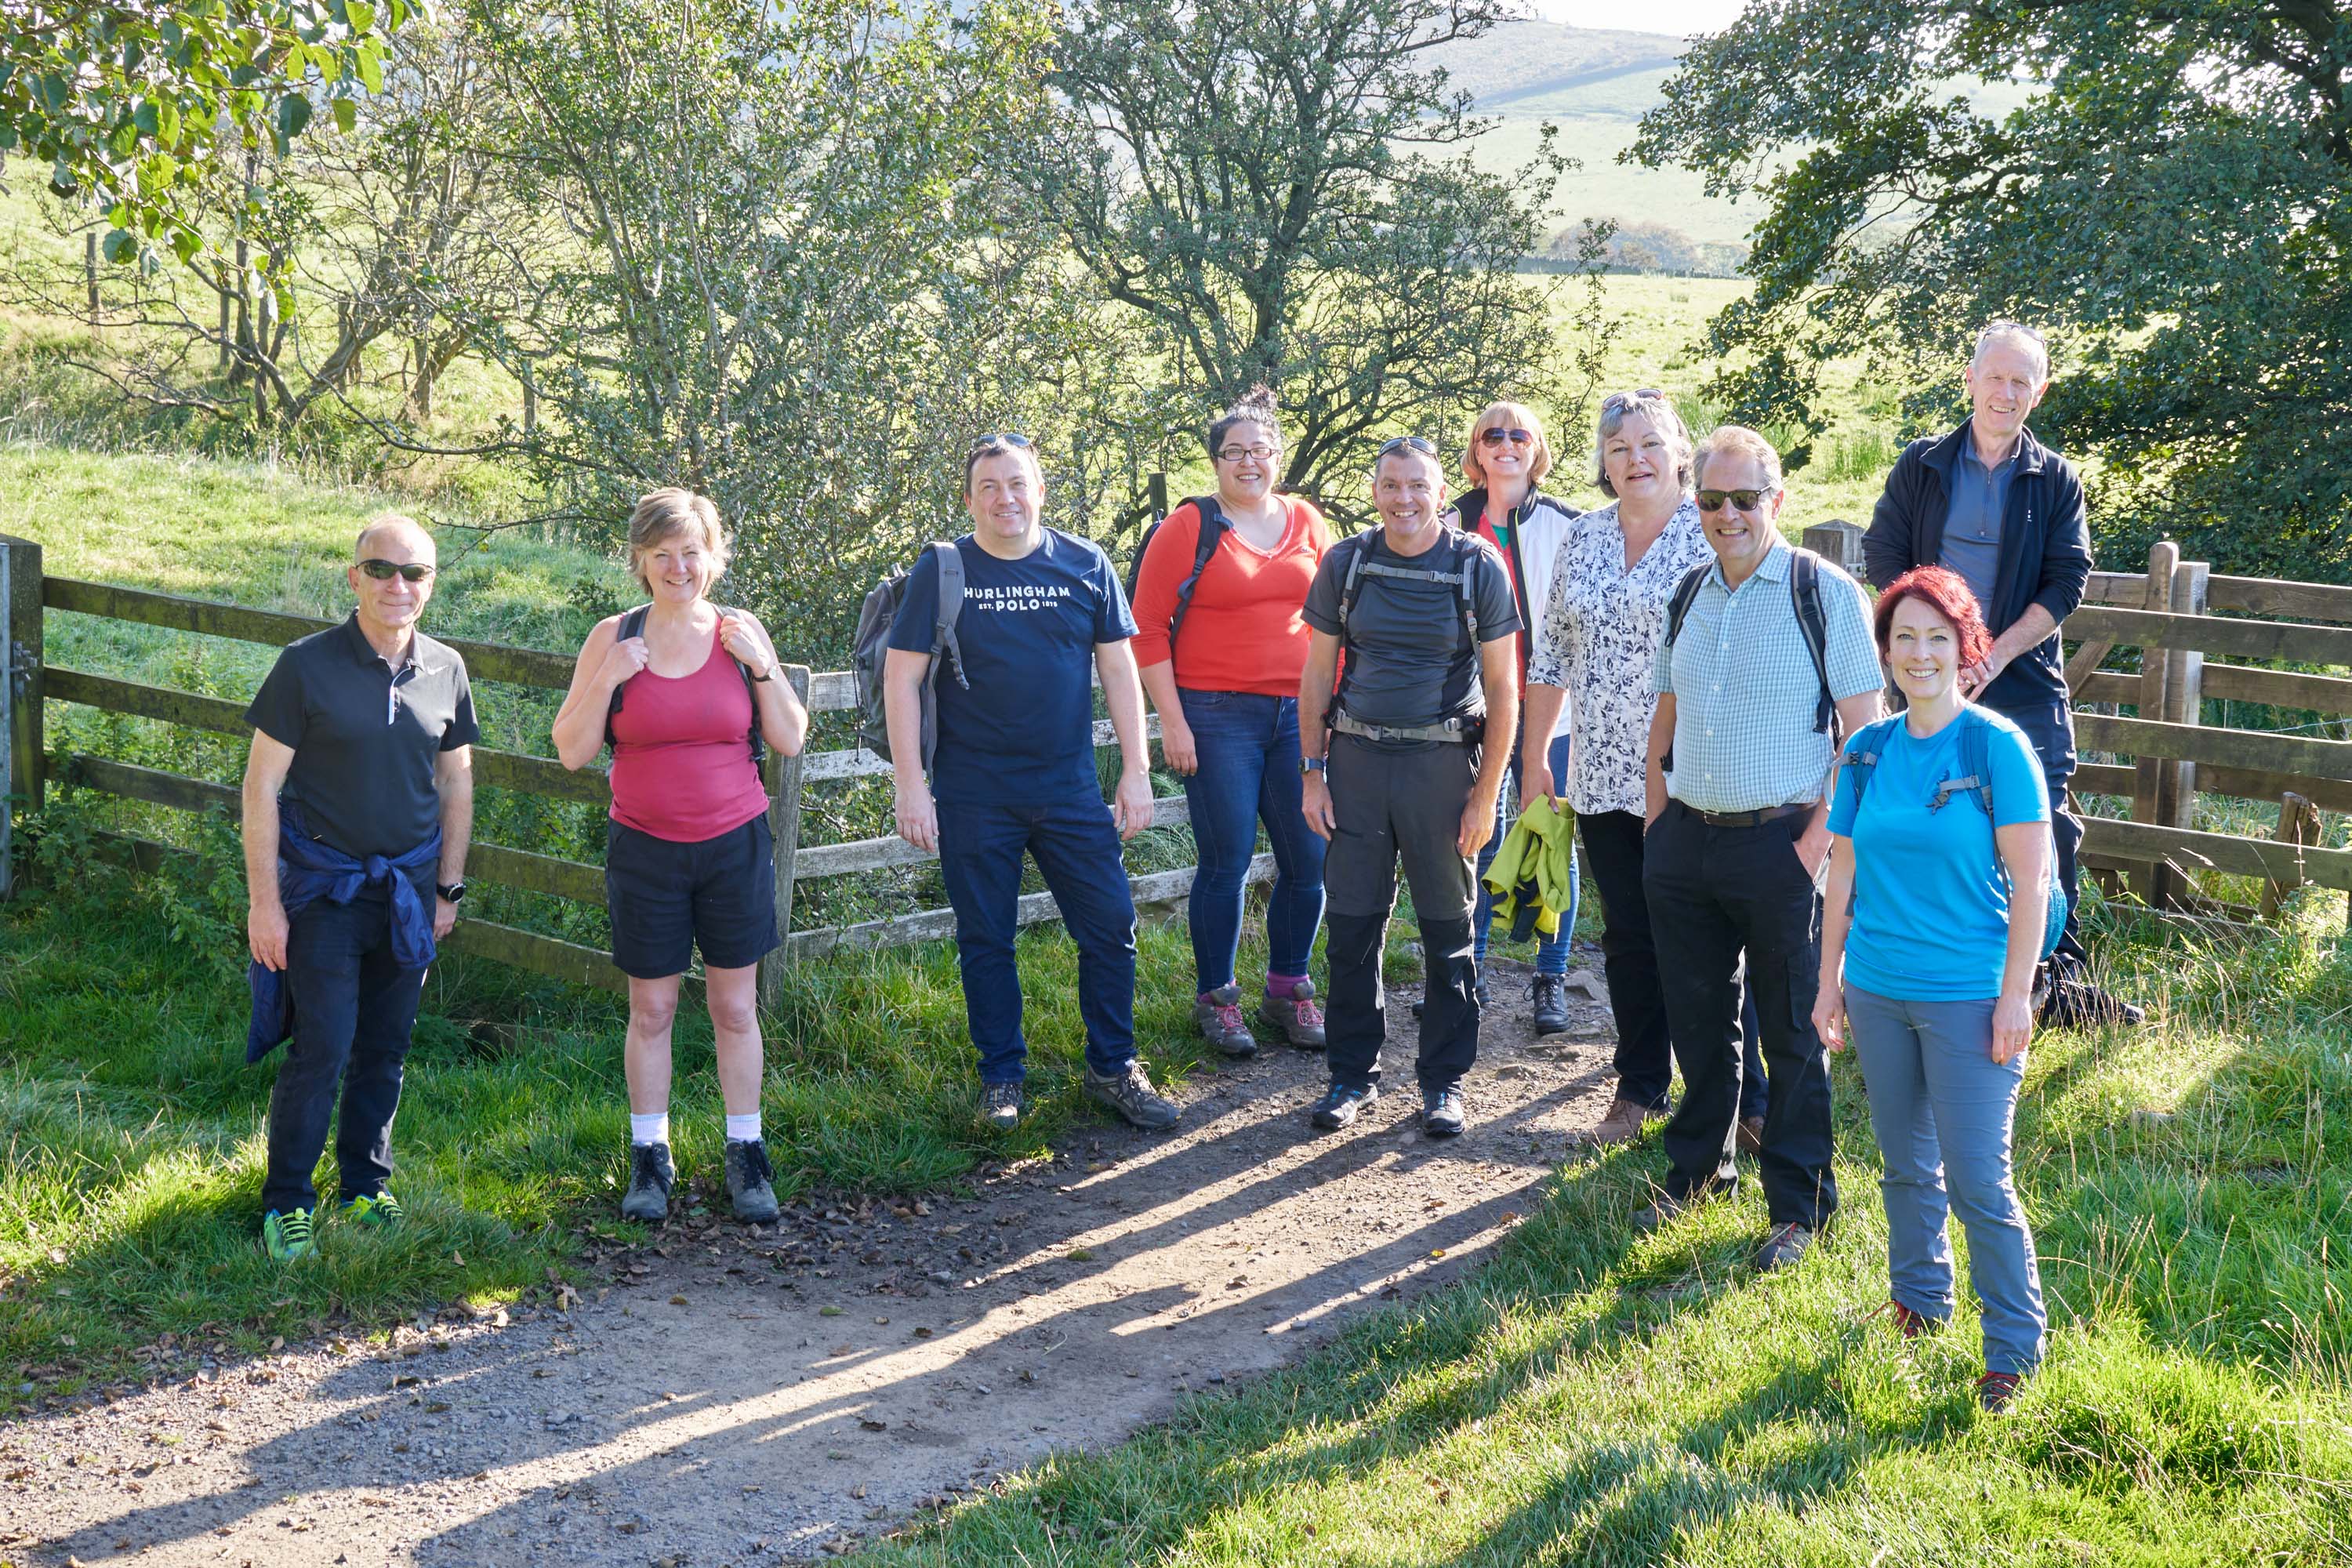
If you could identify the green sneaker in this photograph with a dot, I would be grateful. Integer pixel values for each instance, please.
(288, 1236)
(383, 1209)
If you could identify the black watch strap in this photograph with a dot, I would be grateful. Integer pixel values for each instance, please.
(454, 892)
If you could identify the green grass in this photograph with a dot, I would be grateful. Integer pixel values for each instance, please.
(1591, 1397)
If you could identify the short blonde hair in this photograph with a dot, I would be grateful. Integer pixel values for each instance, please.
(666, 513)
(1516, 414)
(1653, 406)
(1725, 440)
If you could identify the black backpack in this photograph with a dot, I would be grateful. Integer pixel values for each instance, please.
(632, 624)
(873, 650)
(1214, 527)
(1461, 579)
(1804, 593)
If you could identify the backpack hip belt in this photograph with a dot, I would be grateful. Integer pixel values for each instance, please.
(1454, 732)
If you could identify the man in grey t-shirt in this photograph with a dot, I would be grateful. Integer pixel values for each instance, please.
(1395, 770)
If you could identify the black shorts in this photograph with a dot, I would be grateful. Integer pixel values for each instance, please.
(666, 897)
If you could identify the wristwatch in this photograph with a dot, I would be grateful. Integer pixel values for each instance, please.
(454, 892)
(766, 675)
(1314, 765)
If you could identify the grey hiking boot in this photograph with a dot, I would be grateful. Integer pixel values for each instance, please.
(1441, 1113)
(1218, 1015)
(1130, 1092)
(650, 1175)
(1295, 1017)
(1339, 1105)
(1787, 1244)
(751, 1182)
(1000, 1105)
(1550, 993)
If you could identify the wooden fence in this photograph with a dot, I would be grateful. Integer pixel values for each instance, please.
(29, 594)
(2174, 614)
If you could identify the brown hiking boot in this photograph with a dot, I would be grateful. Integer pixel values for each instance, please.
(1130, 1092)
(1295, 1018)
(1218, 1016)
(1624, 1121)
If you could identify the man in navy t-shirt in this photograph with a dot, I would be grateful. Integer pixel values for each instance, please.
(1013, 771)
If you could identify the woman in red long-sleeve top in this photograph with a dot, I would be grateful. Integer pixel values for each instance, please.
(1223, 668)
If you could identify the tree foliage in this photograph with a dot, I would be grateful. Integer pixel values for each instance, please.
(1267, 186)
(129, 104)
(2169, 195)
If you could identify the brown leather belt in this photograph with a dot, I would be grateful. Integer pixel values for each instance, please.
(1747, 819)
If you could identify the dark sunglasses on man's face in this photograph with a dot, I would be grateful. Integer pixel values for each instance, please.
(1746, 500)
(384, 571)
(1497, 436)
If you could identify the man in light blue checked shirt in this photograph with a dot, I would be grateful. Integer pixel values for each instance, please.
(1741, 745)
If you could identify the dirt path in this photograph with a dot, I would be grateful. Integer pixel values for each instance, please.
(739, 1397)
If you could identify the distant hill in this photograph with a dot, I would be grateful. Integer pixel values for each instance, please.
(1523, 62)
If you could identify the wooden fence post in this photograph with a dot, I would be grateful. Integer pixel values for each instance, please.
(784, 825)
(2298, 825)
(2153, 883)
(21, 760)
(1839, 543)
(2184, 701)
(1157, 487)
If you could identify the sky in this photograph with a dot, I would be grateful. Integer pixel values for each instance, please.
(1679, 16)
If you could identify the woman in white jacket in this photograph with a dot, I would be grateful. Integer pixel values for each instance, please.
(1503, 458)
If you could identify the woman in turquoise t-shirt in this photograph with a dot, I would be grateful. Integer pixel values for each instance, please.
(1928, 961)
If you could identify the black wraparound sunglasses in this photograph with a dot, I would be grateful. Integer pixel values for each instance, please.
(384, 571)
(1746, 500)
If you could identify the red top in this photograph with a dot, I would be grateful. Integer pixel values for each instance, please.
(1243, 631)
(1485, 530)
(681, 752)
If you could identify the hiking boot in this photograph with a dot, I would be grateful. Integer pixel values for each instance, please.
(650, 1175)
(1295, 1017)
(1129, 1092)
(1783, 1247)
(1663, 1207)
(1218, 1016)
(379, 1209)
(1626, 1121)
(1911, 1325)
(1995, 1390)
(750, 1181)
(1748, 1136)
(2076, 1004)
(287, 1236)
(1442, 1115)
(1550, 993)
(1000, 1105)
(1336, 1112)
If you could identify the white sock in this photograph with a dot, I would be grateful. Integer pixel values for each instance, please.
(743, 1129)
(649, 1128)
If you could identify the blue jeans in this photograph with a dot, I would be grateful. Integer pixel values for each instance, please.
(1551, 951)
(1248, 746)
(1942, 1111)
(1077, 850)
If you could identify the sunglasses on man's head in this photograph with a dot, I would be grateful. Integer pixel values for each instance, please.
(1399, 443)
(1617, 401)
(384, 571)
(1746, 500)
(999, 438)
(1499, 435)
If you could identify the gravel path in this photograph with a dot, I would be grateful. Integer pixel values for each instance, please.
(730, 1395)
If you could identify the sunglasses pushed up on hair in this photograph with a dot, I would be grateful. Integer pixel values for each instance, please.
(385, 571)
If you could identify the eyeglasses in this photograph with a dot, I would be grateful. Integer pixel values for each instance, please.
(1746, 500)
(1616, 401)
(1416, 443)
(385, 571)
(1236, 453)
(999, 438)
(1497, 436)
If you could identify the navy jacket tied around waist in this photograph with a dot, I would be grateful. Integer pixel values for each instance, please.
(309, 870)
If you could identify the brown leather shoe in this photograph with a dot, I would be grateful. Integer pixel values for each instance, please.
(1624, 1121)
(1750, 1138)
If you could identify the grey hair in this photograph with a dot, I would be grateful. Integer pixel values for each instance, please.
(1659, 410)
(387, 522)
(1995, 331)
(1726, 439)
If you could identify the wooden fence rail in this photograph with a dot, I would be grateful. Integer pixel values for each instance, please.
(28, 592)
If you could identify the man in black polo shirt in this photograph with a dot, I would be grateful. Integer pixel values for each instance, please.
(359, 801)
(1426, 617)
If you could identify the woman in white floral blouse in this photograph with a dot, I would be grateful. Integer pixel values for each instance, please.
(1603, 620)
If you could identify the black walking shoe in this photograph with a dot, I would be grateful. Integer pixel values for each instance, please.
(1550, 992)
(1441, 1112)
(1000, 1105)
(1338, 1108)
(2076, 1004)
(650, 1175)
(751, 1182)
(1130, 1092)
(1787, 1244)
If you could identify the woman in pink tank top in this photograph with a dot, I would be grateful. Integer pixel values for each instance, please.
(689, 860)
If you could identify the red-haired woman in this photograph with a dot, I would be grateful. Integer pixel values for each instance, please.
(1931, 928)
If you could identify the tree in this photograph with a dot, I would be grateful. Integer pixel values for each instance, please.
(2163, 182)
(129, 103)
(1255, 180)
